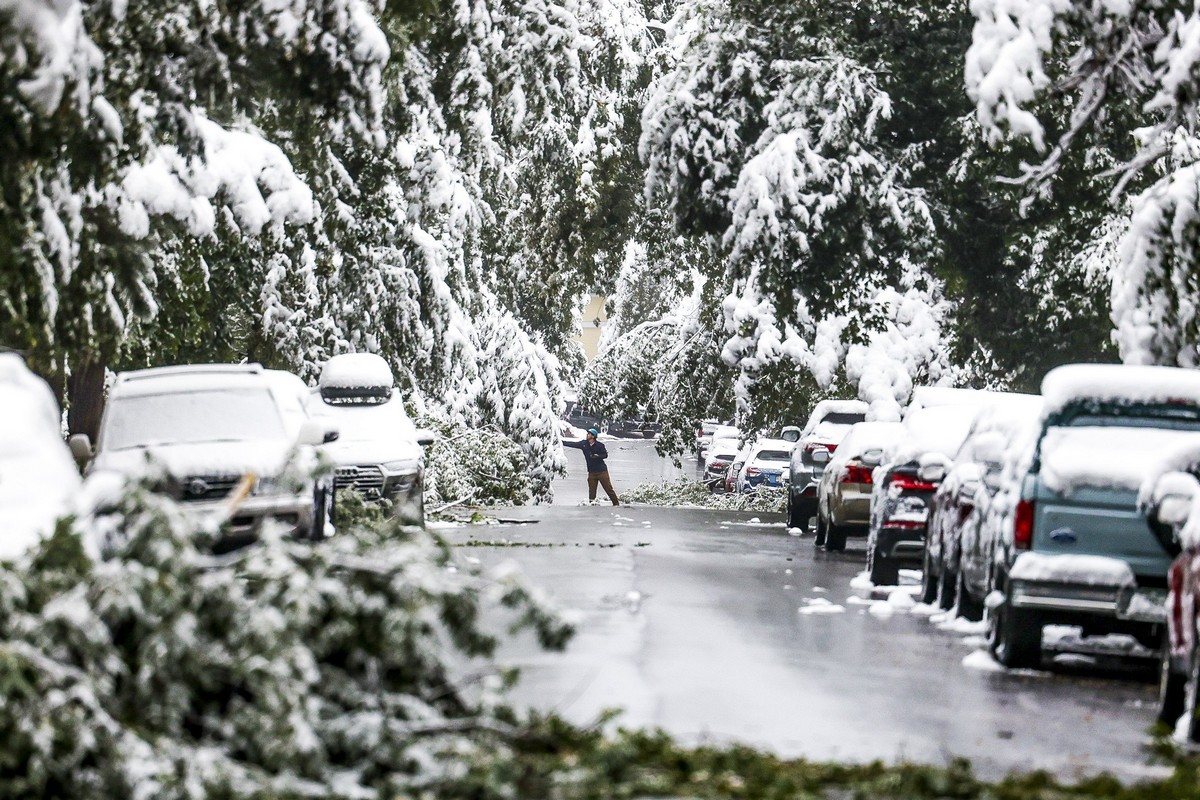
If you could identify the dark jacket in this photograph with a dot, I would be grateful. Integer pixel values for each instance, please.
(594, 454)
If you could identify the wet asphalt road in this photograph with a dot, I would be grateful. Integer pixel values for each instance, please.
(690, 620)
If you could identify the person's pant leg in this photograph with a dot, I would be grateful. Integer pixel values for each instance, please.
(606, 482)
(593, 479)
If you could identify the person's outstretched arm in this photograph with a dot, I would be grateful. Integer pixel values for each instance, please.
(577, 445)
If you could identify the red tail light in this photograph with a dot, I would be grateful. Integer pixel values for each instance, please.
(1023, 525)
(911, 482)
(856, 474)
(753, 472)
(811, 447)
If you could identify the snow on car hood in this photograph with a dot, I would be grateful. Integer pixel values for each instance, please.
(1106, 457)
(372, 451)
(265, 457)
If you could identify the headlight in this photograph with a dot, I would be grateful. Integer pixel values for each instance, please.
(269, 485)
(402, 466)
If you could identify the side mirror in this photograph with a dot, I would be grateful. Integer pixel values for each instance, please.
(331, 435)
(312, 433)
(81, 447)
(425, 437)
(820, 456)
(932, 473)
(872, 457)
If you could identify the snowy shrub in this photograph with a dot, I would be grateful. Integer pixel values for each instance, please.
(687, 492)
(284, 669)
(480, 466)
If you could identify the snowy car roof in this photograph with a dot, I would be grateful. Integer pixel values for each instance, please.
(826, 407)
(866, 436)
(188, 378)
(355, 370)
(1119, 383)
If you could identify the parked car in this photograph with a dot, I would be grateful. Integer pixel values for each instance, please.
(1169, 501)
(579, 417)
(1070, 546)
(211, 426)
(969, 482)
(38, 477)
(721, 455)
(764, 465)
(844, 493)
(379, 451)
(735, 469)
(704, 432)
(828, 424)
(901, 493)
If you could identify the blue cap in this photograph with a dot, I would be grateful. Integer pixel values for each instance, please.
(593, 432)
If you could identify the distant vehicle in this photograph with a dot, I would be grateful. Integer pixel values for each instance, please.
(704, 434)
(210, 426)
(735, 469)
(38, 477)
(721, 456)
(765, 465)
(963, 496)
(579, 417)
(379, 451)
(904, 487)
(828, 424)
(844, 493)
(1070, 546)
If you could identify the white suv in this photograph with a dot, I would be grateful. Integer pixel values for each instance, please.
(216, 428)
(379, 453)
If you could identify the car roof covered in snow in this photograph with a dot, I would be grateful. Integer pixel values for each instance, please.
(867, 436)
(1119, 383)
(355, 370)
(826, 407)
(189, 378)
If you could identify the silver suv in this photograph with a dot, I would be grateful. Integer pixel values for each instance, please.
(228, 438)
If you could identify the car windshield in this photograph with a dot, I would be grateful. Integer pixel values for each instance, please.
(365, 423)
(773, 455)
(216, 415)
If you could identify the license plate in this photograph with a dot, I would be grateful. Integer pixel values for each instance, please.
(1143, 605)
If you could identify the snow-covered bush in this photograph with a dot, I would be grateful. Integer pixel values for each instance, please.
(284, 669)
(480, 466)
(689, 493)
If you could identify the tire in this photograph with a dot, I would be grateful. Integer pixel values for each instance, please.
(947, 590)
(968, 607)
(820, 537)
(835, 538)
(929, 586)
(1015, 637)
(883, 571)
(793, 513)
(1172, 687)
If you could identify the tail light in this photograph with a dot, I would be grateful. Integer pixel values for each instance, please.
(753, 472)
(1023, 525)
(812, 447)
(856, 474)
(911, 483)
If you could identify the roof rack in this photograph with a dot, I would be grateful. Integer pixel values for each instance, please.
(190, 369)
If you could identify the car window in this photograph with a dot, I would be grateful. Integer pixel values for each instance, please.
(773, 455)
(842, 418)
(217, 415)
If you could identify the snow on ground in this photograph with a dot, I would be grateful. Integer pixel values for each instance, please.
(982, 660)
(819, 605)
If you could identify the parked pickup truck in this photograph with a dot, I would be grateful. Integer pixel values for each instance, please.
(1073, 547)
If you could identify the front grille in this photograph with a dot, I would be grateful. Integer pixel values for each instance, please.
(365, 479)
(208, 487)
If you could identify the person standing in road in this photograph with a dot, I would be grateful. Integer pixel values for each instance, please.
(594, 453)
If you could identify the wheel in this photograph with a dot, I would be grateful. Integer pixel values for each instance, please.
(1172, 687)
(835, 538)
(968, 606)
(947, 589)
(929, 585)
(883, 572)
(794, 518)
(1015, 636)
(820, 538)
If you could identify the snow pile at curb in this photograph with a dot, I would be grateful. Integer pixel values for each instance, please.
(688, 493)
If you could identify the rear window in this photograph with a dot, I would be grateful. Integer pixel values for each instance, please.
(774, 455)
(1175, 417)
(844, 418)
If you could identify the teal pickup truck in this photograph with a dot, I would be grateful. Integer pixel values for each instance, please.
(1069, 544)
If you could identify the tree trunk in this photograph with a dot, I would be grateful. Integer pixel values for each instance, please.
(85, 394)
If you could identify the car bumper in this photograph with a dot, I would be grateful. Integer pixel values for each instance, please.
(902, 545)
(850, 509)
(1126, 603)
(292, 510)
